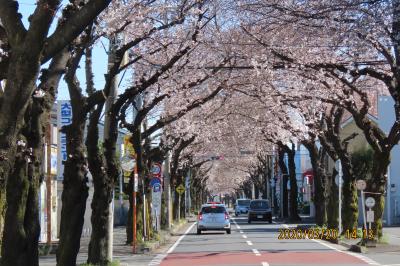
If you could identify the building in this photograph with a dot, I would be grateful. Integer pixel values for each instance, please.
(54, 150)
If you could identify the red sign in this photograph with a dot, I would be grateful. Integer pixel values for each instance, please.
(156, 170)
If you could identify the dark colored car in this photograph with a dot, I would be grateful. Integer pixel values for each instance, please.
(260, 210)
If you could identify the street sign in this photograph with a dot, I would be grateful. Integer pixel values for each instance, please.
(154, 181)
(180, 189)
(136, 188)
(361, 184)
(156, 194)
(370, 216)
(156, 169)
(370, 202)
(128, 163)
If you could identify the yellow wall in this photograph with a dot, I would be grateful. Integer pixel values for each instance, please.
(359, 142)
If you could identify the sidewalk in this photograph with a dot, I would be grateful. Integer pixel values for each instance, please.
(390, 242)
(122, 252)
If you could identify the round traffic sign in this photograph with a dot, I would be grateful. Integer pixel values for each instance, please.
(361, 184)
(154, 181)
(156, 169)
(370, 202)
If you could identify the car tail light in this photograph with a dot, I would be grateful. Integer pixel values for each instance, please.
(226, 216)
(200, 216)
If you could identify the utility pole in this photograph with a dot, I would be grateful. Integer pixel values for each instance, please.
(113, 93)
(167, 189)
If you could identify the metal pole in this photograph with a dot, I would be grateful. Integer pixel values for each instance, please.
(179, 207)
(144, 216)
(363, 209)
(340, 205)
(167, 189)
(340, 196)
(369, 223)
(388, 198)
(121, 199)
(134, 181)
(48, 183)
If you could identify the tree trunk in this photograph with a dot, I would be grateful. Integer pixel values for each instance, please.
(319, 183)
(22, 229)
(332, 191)
(378, 185)
(349, 205)
(15, 246)
(100, 203)
(294, 215)
(284, 179)
(74, 195)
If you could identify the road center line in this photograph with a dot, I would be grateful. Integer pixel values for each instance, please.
(158, 259)
(244, 236)
(264, 263)
(249, 243)
(255, 251)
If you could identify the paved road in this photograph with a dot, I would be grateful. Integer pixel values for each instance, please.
(256, 244)
(249, 244)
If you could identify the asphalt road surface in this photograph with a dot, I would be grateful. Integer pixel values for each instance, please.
(258, 244)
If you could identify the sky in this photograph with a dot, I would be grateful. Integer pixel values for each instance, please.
(26, 7)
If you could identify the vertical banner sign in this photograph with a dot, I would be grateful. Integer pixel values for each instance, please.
(156, 205)
(129, 152)
(64, 117)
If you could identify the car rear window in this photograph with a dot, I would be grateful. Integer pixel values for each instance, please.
(213, 209)
(243, 202)
(259, 205)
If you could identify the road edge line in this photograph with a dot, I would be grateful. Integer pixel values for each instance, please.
(160, 257)
(358, 256)
(171, 249)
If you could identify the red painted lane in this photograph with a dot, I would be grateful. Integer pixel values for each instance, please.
(249, 258)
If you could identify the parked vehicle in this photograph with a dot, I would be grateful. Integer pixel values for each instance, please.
(213, 217)
(260, 210)
(241, 206)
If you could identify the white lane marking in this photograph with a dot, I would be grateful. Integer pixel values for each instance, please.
(255, 251)
(158, 259)
(244, 236)
(361, 257)
(241, 231)
(249, 243)
(264, 263)
(237, 226)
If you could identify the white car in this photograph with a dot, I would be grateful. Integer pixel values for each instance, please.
(213, 217)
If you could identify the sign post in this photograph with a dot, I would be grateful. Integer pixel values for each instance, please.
(180, 189)
(156, 202)
(361, 185)
(128, 164)
(339, 181)
(370, 203)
